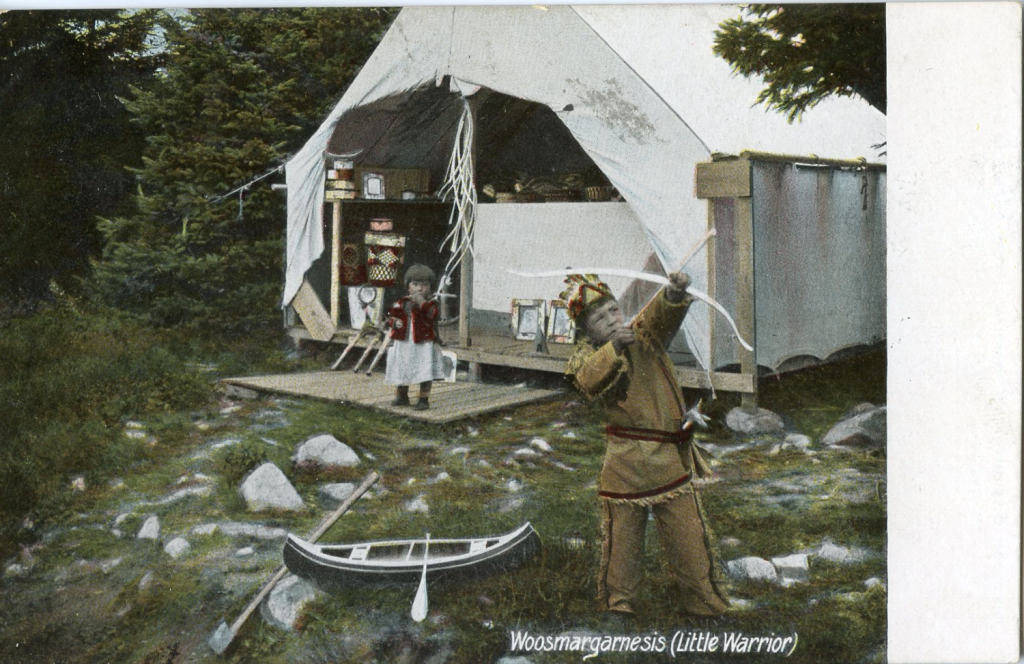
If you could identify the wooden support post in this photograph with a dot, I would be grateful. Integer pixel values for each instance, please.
(745, 310)
(732, 179)
(465, 299)
(466, 268)
(336, 264)
(712, 283)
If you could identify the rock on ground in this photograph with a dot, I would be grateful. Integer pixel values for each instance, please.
(177, 547)
(835, 553)
(236, 529)
(150, 529)
(146, 581)
(540, 444)
(418, 504)
(874, 581)
(326, 450)
(335, 494)
(796, 441)
(15, 571)
(752, 568)
(108, 565)
(510, 504)
(760, 422)
(286, 601)
(864, 426)
(792, 568)
(267, 488)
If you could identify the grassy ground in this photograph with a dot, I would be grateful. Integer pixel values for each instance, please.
(76, 604)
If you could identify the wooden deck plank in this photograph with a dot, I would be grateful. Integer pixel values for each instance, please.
(490, 348)
(448, 401)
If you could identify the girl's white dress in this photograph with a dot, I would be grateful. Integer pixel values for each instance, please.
(410, 363)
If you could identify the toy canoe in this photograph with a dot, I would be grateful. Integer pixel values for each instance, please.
(401, 561)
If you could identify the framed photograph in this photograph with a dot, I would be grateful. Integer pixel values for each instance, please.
(450, 365)
(373, 185)
(561, 329)
(527, 318)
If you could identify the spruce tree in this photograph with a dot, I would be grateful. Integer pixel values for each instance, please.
(64, 139)
(242, 90)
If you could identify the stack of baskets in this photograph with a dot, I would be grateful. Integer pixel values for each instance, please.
(341, 181)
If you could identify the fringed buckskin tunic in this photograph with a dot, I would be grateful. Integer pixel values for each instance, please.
(649, 459)
(648, 464)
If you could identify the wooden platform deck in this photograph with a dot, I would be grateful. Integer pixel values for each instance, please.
(497, 349)
(448, 401)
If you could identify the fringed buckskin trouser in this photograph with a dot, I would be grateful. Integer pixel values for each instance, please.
(683, 539)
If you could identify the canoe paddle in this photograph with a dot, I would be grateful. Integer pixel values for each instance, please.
(222, 638)
(419, 605)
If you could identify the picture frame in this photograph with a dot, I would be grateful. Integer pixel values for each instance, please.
(527, 316)
(561, 329)
(373, 185)
(449, 365)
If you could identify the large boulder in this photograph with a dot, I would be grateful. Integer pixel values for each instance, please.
(327, 451)
(284, 605)
(267, 488)
(759, 422)
(864, 426)
(752, 568)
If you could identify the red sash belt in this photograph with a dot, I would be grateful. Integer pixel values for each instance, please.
(656, 435)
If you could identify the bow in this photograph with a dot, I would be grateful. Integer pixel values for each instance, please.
(643, 276)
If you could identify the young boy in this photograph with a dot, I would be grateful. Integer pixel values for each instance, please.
(650, 460)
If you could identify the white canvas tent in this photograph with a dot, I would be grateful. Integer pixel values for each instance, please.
(639, 92)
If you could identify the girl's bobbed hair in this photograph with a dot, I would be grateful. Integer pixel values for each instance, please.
(420, 272)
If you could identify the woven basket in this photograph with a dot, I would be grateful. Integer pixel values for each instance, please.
(598, 194)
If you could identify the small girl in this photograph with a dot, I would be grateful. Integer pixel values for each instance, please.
(414, 355)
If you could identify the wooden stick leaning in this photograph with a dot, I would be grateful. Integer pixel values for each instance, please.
(366, 353)
(349, 347)
(383, 349)
(222, 638)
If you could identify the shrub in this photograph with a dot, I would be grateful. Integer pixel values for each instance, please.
(67, 381)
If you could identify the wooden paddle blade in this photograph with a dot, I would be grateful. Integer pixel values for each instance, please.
(419, 604)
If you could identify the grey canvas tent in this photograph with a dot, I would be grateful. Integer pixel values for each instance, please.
(635, 94)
